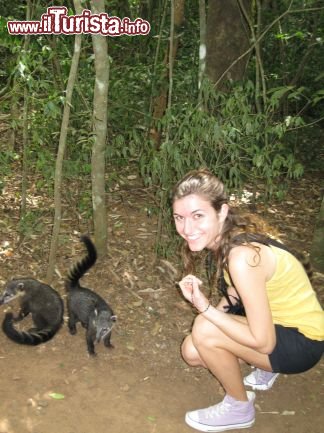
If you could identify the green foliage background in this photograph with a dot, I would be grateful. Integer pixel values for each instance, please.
(226, 132)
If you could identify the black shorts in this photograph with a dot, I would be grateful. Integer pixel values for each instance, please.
(294, 353)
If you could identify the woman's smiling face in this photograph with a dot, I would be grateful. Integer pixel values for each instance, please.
(198, 222)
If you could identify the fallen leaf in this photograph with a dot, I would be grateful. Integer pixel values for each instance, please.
(56, 396)
(156, 328)
(130, 347)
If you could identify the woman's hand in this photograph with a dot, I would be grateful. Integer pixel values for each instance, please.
(189, 286)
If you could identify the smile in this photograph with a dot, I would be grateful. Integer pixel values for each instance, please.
(193, 237)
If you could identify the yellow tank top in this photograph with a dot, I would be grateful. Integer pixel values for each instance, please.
(292, 299)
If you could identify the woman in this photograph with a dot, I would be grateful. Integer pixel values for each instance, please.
(283, 327)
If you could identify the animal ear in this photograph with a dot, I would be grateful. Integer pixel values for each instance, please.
(114, 318)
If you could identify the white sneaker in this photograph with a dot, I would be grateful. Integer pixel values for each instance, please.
(260, 379)
(229, 414)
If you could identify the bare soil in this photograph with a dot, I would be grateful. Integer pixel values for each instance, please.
(142, 385)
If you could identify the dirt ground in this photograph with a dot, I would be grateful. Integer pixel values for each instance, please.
(142, 385)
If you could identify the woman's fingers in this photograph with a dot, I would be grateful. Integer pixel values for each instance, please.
(189, 280)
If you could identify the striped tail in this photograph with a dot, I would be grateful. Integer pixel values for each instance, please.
(80, 268)
(33, 337)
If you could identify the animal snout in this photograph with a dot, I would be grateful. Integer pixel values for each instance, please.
(101, 334)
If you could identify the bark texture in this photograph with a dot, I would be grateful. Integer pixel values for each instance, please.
(100, 114)
(227, 38)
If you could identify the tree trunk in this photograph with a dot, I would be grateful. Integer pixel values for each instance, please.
(161, 101)
(317, 249)
(15, 114)
(202, 44)
(61, 149)
(227, 38)
(100, 112)
(25, 129)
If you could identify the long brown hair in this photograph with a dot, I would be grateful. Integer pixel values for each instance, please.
(204, 184)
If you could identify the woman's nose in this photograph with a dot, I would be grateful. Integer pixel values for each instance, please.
(187, 227)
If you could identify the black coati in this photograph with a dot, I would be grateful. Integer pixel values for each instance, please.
(38, 299)
(86, 306)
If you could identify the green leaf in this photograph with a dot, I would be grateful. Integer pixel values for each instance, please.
(278, 92)
(300, 34)
(57, 396)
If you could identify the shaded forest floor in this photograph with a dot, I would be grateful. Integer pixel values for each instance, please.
(142, 385)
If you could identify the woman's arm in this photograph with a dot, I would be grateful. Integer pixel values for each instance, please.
(250, 270)
(249, 273)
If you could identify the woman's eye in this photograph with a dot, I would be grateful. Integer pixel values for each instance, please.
(198, 215)
(178, 218)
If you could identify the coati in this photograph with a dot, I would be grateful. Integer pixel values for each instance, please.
(86, 306)
(38, 299)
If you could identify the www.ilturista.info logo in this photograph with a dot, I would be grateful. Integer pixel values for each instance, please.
(56, 21)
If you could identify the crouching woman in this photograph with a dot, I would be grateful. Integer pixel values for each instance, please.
(282, 329)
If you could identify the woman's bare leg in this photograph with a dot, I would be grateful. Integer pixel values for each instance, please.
(209, 347)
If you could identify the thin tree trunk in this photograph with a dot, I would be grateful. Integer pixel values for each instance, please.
(151, 130)
(161, 101)
(202, 45)
(171, 59)
(15, 114)
(61, 149)
(100, 112)
(25, 129)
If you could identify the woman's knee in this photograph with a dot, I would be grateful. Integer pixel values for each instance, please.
(204, 333)
(190, 353)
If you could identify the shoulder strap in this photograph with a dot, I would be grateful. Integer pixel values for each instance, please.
(261, 239)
